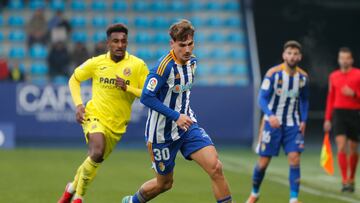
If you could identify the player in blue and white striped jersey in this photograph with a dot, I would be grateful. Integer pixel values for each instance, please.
(171, 125)
(283, 98)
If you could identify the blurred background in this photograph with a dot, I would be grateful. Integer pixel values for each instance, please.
(42, 42)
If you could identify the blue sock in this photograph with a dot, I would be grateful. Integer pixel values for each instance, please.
(258, 176)
(225, 200)
(138, 198)
(294, 180)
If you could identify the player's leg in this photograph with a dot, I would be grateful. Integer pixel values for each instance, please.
(89, 167)
(293, 143)
(353, 161)
(353, 134)
(269, 146)
(294, 175)
(198, 146)
(150, 189)
(341, 141)
(258, 177)
(207, 158)
(340, 129)
(163, 160)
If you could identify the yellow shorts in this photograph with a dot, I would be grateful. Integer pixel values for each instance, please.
(93, 125)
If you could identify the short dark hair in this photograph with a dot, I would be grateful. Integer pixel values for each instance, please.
(345, 50)
(292, 44)
(118, 27)
(180, 30)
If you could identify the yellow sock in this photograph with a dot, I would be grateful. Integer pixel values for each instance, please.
(76, 178)
(86, 175)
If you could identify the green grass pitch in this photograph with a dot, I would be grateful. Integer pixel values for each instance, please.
(39, 176)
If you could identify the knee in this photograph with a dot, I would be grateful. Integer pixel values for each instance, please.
(166, 185)
(294, 159)
(97, 155)
(216, 170)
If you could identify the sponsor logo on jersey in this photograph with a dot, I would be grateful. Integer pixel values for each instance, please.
(103, 68)
(182, 88)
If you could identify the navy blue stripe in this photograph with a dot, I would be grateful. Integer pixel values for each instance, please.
(184, 96)
(287, 102)
(168, 124)
(277, 97)
(296, 110)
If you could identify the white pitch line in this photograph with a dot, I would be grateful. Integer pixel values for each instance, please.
(230, 166)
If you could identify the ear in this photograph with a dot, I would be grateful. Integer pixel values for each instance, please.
(172, 43)
(283, 55)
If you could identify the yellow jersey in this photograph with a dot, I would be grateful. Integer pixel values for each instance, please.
(110, 104)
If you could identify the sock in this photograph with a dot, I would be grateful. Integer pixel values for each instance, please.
(138, 198)
(227, 199)
(294, 180)
(258, 176)
(353, 160)
(87, 174)
(76, 179)
(71, 188)
(343, 166)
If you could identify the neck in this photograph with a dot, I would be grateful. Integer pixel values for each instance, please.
(290, 69)
(345, 69)
(178, 60)
(116, 58)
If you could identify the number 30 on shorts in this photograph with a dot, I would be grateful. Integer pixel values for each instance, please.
(161, 155)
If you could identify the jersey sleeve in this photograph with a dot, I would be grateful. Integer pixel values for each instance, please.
(85, 71)
(266, 90)
(304, 99)
(155, 80)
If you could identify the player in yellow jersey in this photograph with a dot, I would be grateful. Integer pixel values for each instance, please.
(117, 79)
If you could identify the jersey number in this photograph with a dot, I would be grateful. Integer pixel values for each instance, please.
(163, 154)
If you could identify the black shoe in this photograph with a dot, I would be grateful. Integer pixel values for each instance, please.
(351, 187)
(345, 188)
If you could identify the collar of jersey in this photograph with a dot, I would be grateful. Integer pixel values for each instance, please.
(126, 56)
(174, 57)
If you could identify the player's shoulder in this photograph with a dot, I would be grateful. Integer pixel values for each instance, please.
(335, 73)
(302, 72)
(356, 70)
(164, 64)
(273, 70)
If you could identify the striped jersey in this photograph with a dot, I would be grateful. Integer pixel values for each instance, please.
(168, 87)
(285, 95)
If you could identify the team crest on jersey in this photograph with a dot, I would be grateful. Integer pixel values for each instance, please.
(127, 72)
(162, 166)
(279, 91)
(302, 83)
(152, 84)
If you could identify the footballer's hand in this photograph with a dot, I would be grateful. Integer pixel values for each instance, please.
(80, 113)
(327, 126)
(121, 83)
(302, 128)
(274, 121)
(184, 122)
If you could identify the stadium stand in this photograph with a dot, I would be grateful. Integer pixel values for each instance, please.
(220, 39)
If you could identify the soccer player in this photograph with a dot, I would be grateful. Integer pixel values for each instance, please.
(171, 124)
(343, 108)
(117, 79)
(283, 98)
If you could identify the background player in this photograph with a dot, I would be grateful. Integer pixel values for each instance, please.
(117, 78)
(284, 100)
(171, 124)
(343, 107)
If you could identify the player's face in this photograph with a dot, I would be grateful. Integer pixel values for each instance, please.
(345, 60)
(117, 43)
(183, 49)
(292, 56)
